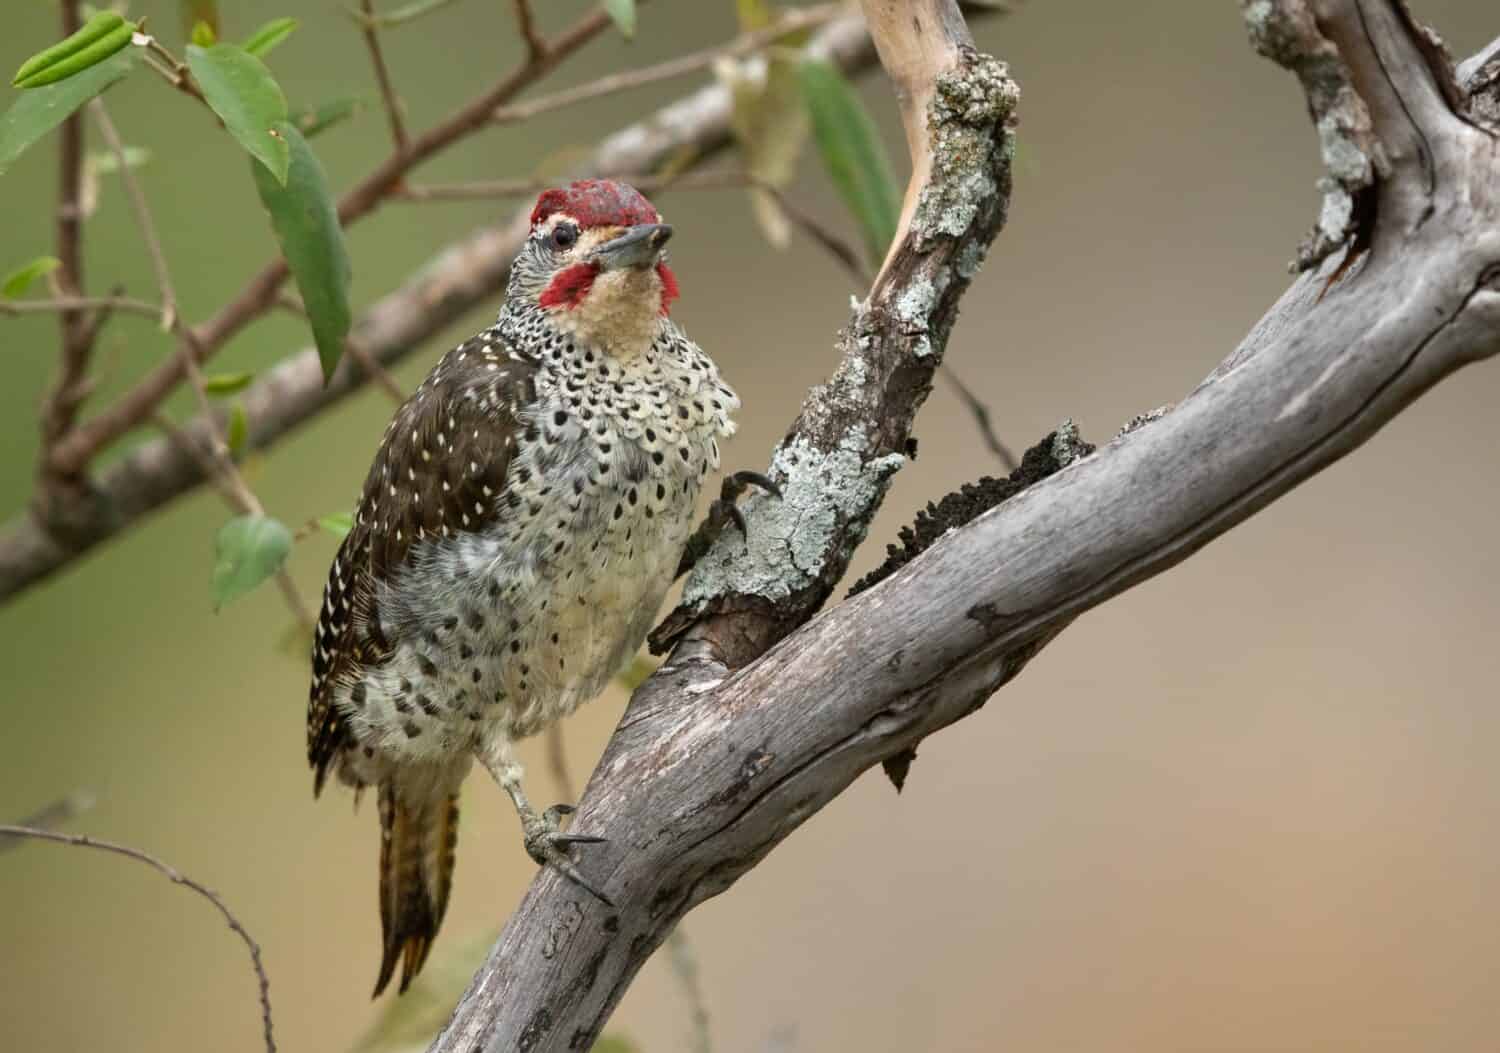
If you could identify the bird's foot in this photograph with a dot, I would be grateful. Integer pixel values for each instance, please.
(548, 845)
(721, 513)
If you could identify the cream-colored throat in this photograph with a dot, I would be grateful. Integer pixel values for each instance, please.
(621, 314)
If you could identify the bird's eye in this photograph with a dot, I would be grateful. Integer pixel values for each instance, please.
(564, 235)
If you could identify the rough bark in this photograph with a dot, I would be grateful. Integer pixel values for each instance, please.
(761, 717)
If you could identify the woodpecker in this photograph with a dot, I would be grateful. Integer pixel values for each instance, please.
(525, 514)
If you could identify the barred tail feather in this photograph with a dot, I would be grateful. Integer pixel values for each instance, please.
(418, 838)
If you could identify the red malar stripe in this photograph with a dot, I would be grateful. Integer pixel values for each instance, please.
(669, 290)
(569, 286)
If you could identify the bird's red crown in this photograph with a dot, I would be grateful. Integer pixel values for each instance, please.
(596, 203)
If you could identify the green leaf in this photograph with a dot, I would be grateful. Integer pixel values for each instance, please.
(102, 36)
(852, 152)
(245, 95)
(338, 525)
(269, 35)
(247, 551)
(19, 280)
(221, 384)
(623, 13)
(203, 35)
(314, 120)
(40, 110)
(237, 434)
(197, 13)
(307, 226)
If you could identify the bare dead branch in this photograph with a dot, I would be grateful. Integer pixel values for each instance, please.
(730, 746)
(833, 469)
(177, 877)
(382, 76)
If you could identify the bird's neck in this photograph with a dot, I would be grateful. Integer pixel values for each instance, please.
(610, 327)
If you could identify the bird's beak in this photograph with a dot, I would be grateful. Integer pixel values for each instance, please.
(640, 246)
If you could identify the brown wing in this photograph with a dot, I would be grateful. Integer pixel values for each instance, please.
(439, 470)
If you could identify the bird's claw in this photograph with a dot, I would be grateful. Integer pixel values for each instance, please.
(733, 487)
(740, 481)
(721, 513)
(548, 846)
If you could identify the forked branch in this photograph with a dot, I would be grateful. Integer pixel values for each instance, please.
(734, 743)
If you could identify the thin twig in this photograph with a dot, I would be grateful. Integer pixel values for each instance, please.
(981, 415)
(142, 214)
(63, 401)
(357, 351)
(536, 47)
(100, 316)
(176, 71)
(840, 249)
(374, 370)
(81, 303)
(743, 44)
(383, 77)
(52, 816)
(646, 183)
(177, 877)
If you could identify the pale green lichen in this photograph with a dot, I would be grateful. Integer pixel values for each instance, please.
(969, 259)
(1067, 445)
(970, 105)
(789, 539)
(914, 306)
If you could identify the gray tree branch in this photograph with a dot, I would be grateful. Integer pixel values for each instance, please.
(761, 716)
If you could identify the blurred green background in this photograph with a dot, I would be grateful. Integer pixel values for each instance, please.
(1250, 805)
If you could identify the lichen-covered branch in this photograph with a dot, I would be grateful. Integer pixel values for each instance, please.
(834, 465)
(726, 750)
(833, 470)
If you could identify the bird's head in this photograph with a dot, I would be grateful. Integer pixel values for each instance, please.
(595, 264)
